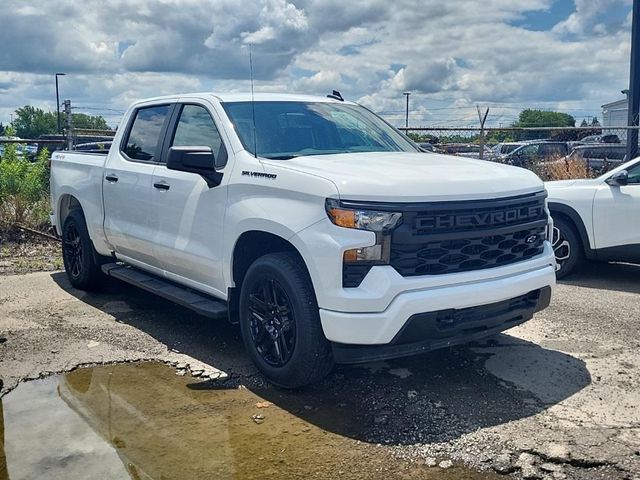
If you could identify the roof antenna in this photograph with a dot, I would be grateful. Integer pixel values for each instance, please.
(253, 104)
(336, 95)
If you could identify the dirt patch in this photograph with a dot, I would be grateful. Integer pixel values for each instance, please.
(25, 252)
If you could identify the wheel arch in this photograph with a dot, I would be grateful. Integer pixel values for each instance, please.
(66, 204)
(249, 246)
(560, 209)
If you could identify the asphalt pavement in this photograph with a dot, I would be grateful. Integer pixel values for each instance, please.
(556, 397)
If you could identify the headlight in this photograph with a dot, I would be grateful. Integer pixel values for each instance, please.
(382, 223)
(361, 219)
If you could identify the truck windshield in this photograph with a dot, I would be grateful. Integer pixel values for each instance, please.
(284, 130)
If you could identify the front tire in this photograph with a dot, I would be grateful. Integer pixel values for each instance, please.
(567, 247)
(78, 254)
(280, 322)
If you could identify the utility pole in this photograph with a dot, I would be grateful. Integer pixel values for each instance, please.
(58, 100)
(483, 118)
(634, 84)
(69, 122)
(406, 118)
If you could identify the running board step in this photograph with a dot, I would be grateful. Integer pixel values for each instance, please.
(184, 296)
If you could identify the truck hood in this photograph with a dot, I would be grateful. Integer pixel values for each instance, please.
(414, 177)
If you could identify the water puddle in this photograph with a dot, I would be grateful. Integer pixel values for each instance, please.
(142, 421)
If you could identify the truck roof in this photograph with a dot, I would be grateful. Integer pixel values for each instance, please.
(246, 97)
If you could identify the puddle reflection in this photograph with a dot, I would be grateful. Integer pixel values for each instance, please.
(141, 421)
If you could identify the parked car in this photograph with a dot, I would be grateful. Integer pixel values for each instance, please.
(311, 222)
(429, 147)
(534, 151)
(599, 156)
(29, 150)
(596, 219)
(506, 147)
(604, 138)
(469, 150)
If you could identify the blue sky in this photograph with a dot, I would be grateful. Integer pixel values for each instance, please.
(546, 18)
(569, 55)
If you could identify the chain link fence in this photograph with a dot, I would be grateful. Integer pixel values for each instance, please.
(593, 150)
(493, 136)
(87, 140)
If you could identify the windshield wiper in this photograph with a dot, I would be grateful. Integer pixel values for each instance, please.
(282, 157)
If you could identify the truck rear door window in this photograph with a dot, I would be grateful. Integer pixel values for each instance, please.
(142, 143)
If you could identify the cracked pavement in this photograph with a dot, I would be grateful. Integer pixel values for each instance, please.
(554, 398)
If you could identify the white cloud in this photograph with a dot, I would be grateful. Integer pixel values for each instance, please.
(447, 53)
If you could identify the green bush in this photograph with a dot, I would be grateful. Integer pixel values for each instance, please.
(24, 188)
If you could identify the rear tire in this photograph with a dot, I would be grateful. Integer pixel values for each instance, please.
(567, 247)
(280, 322)
(78, 254)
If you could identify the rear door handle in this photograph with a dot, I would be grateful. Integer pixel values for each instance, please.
(111, 178)
(162, 186)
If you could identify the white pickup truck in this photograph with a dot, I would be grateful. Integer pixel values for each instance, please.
(320, 229)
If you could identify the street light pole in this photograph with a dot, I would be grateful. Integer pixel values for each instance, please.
(406, 118)
(634, 89)
(58, 100)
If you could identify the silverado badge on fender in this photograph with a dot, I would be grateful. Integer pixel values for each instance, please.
(272, 176)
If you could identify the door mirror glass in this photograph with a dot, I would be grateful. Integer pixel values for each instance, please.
(620, 178)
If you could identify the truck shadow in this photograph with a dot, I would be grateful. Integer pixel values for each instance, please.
(622, 277)
(433, 397)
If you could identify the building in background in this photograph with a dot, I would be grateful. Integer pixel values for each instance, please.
(614, 114)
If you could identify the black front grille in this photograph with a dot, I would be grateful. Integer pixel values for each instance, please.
(449, 237)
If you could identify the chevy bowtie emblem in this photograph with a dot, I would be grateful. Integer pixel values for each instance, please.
(531, 239)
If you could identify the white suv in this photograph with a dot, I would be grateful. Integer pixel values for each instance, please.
(596, 219)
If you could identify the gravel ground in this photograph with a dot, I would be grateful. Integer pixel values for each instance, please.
(24, 252)
(554, 398)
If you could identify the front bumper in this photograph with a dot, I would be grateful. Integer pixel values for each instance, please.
(381, 328)
(425, 332)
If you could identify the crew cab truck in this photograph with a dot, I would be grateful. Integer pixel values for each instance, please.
(596, 219)
(320, 229)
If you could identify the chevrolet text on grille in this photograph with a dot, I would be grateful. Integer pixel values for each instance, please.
(480, 219)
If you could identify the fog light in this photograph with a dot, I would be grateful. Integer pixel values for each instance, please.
(365, 254)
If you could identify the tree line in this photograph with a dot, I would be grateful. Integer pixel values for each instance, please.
(529, 119)
(32, 122)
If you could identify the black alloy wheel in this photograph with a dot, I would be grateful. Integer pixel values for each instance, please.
(272, 323)
(72, 250)
(280, 321)
(78, 254)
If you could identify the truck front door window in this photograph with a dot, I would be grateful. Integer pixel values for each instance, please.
(196, 128)
(142, 143)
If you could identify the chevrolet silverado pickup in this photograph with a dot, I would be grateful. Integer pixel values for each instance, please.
(596, 219)
(319, 228)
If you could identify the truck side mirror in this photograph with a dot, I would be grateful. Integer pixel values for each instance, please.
(620, 178)
(195, 159)
(200, 158)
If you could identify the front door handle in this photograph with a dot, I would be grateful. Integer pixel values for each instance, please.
(111, 178)
(162, 186)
